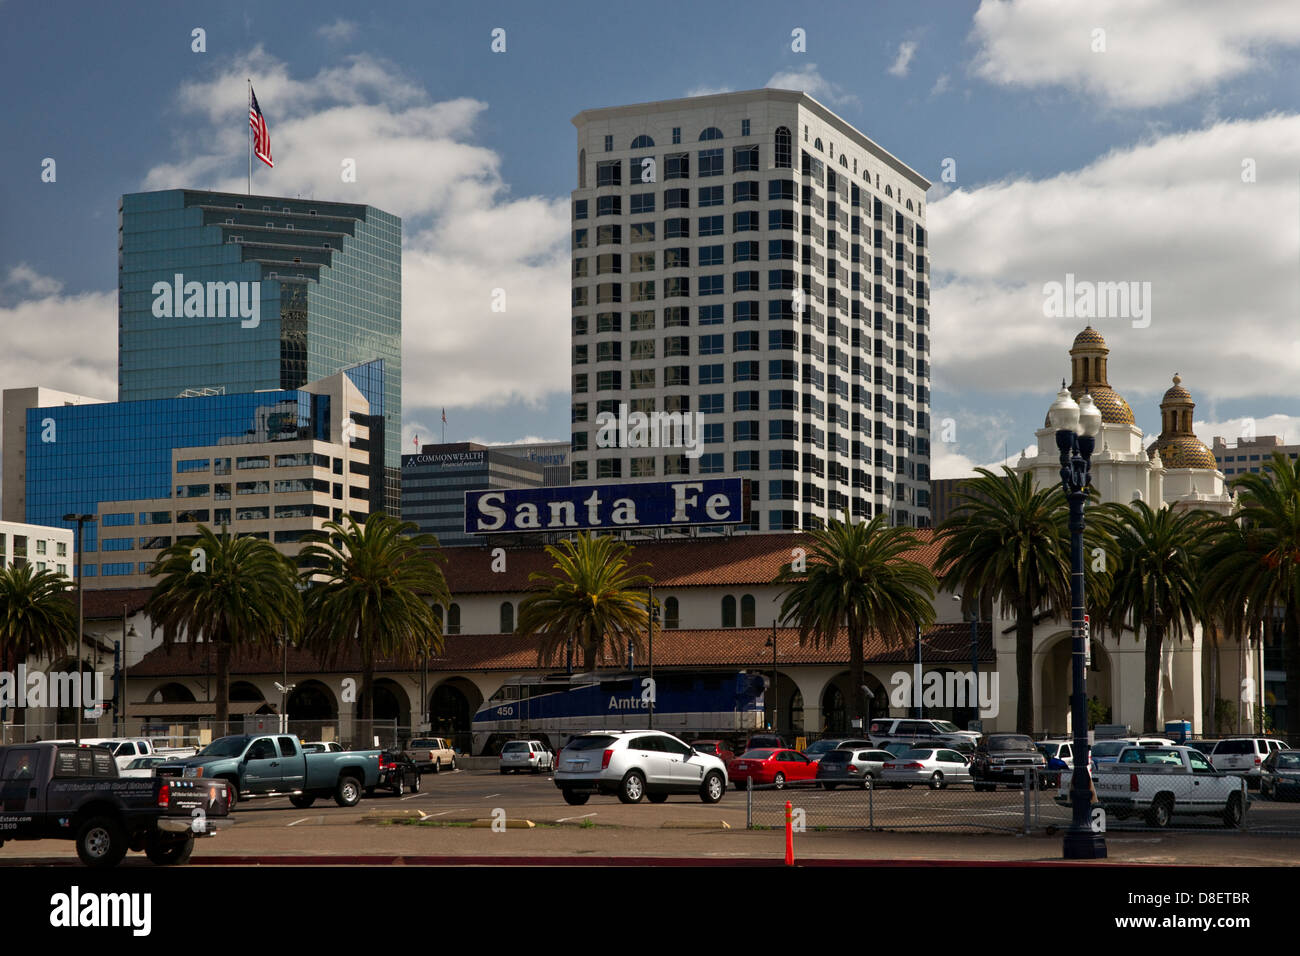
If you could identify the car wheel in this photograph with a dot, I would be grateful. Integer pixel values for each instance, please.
(101, 841)
(452, 765)
(348, 792)
(632, 787)
(936, 780)
(713, 788)
(437, 765)
(415, 784)
(302, 801)
(575, 799)
(232, 792)
(1233, 813)
(829, 786)
(399, 787)
(168, 851)
(779, 781)
(504, 771)
(1161, 812)
(657, 797)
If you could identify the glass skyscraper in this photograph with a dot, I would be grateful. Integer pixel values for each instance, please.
(328, 297)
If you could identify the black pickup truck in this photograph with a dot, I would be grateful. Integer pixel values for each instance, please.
(54, 791)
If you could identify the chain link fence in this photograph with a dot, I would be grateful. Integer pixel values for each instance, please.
(350, 734)
(959, 807)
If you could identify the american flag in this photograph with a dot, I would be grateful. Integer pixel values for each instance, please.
(444, 416)
(261, 136)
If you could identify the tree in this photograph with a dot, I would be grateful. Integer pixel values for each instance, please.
(1010, 542)
(859, 579)
(37, 616)
(230, 592)
(1252, 565)
(1154, 581)
(591, 596)
(372, 587)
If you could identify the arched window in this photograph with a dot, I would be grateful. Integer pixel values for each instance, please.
(672, 615)
(855, 166)
(747, 611)
(843, 161)
(642, 141)
(507, 617)
(909, 205)
(711, 132)
(783, 152)
(817, 144)
(728, 611)
(582, 169)
(453, 619)
(889, 191)
(437, 612)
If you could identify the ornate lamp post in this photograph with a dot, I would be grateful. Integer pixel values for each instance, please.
(1077, 426)
(81, 606)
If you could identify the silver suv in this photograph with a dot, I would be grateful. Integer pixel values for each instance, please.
(884, 731)
(634, 764)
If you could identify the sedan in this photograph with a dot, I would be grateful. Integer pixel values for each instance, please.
(770, 766)
(142, 767)
(851, 767)
(1279, 775)
(820, 748)
(937, 768)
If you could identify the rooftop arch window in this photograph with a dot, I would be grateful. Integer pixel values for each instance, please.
(642, 142)
(710, 132)
(783, 153)
(817, 144)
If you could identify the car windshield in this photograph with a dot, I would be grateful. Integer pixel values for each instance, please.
(758, 754)
(837, 756)
(1048, 750)
(822, 746)
(1011, 743)
(947, 727)
(598, 742)
(916, 755)
(1288, 761)
(515, 748)
(141, 763)
(424, 743)
(1108, 748)
(706, 748)
(225, 747)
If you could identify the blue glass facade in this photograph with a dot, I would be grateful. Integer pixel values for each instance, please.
(328, 297)
(81, 455)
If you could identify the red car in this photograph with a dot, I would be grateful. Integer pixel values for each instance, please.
(770, 766)
(715, 748)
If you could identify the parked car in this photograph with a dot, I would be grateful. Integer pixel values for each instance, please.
(934, 767)
(397, 774)
(126, 749)
(851, 767)
(1059, 755)
(634, 764)
(322, 747)
(1204, 746)
(431, 753)
(66, 792)
(964, 747)
(1105, 752)
(1279, 775)
(142, 766)
(1164, 782)
(1003, 758)
(818, 748)
(531, 755)
(897, 749)
(717, 748)
(1244, 755)
(888, 730)
(775, 766)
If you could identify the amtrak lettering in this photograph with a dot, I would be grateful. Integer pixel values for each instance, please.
(709, 501)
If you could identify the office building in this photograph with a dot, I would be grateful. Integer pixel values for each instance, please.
(553, 456)
(753, 262)
(13, 439)
(434, 483)
(1247, 455)
(271, 464)
(43, 547)
(222, 293)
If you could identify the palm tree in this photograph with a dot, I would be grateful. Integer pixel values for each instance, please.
(372, 587)
(1252, 565)
(238, 593)
(592, 596)
(1010, 542)
(1154, 581)
(37, 616)
(859, 578)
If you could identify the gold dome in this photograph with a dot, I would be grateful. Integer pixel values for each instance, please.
(1090, 338)
(1114, 410)
(1178, 445)
(1088, 360)
(1185, 452)
(1177, 393)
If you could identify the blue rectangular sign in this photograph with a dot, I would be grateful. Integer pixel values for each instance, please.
(652, 504)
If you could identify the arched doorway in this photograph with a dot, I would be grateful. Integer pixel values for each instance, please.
(1055, 681)
(312, 700)
(451, 708)
(391, 701)
(242, 690)
(837, 700)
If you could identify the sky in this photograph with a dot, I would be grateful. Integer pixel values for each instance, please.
(1153, 142)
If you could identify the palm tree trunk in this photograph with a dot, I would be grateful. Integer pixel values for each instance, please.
(1291, 637)
(223, 686)
(1024, 668)
(1151, 706)
(857, 695)
(589, 651)
(367, 688)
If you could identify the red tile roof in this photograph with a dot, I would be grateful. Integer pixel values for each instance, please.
(722, 647)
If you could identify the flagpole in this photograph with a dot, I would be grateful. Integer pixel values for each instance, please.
(250, 137)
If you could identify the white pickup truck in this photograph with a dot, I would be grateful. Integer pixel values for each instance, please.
(1161, 782)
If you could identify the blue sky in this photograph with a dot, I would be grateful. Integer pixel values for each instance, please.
(1123, 163)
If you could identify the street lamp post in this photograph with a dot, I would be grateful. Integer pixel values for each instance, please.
(974, 647)
(81, 606)
(650, 627)
(1077, 425)
(127, 634)
(775, 706)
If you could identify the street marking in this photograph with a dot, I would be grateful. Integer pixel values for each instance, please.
(412, 796)
(491, 795)
(442, 812)
(296, 822)
(567, 819)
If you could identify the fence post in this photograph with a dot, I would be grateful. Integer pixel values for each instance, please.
(871, 804)
(749, 805)
(1031, 781)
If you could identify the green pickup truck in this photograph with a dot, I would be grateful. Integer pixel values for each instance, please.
(276, 764)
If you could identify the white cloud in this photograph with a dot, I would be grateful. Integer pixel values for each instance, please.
(808, 79)
(1219, 253)
(947, 462)
(464, 235)
(941, 85)
(1233, 430)
(708, 90)
(338, 31)
(68, 342)
(906, 50)
(1156, 51)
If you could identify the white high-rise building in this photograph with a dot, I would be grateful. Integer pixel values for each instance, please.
(753, 260)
